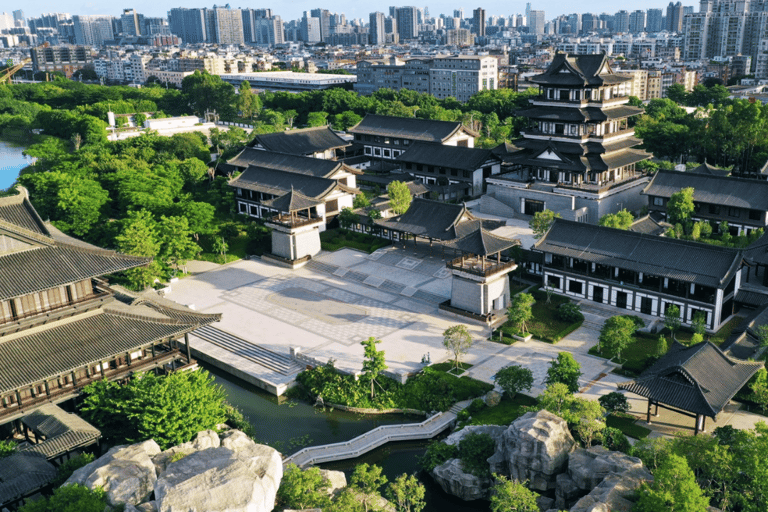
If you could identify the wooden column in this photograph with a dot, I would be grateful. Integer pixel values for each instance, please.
(696, 426)
(18, 398)
(648, 414)
(101, 368)
(47, 388)
(186, 343)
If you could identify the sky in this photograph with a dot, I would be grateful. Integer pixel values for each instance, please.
(293, 9)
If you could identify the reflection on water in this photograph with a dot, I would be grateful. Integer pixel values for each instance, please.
(11, 162)
(289, 425)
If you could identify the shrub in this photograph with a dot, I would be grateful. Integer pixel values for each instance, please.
(477, 405)
(463, 415)
(474, 451)
(614, 402)
(513, 379)
(569, 312)
(7, 448)
(69, 467)
(436, 454)
(614, 439)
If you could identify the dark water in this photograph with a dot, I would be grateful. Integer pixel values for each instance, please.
(11, 162)
(288, 425)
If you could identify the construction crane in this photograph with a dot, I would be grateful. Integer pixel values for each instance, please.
(8, 72)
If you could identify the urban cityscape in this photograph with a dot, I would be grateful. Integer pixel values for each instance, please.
(258, 259)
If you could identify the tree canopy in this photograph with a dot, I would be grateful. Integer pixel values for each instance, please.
(458, 340)
(564, 370)
(399, 197)
(541, 222)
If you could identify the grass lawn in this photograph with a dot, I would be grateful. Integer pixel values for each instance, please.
(335, 239)
(505, 413)
(628, 426)
(544, 325)
(448, 367)
(635, 357)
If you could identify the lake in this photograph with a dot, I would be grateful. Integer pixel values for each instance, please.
(11, 162)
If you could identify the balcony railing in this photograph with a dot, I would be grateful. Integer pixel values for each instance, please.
(293, 221)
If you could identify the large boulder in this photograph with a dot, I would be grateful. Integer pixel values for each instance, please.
(566, 491)
(589, 467)
(204, 440)
(451, 477)
(238, 476)
(126, 473)
(614, 493)
(337, 480)
(537, 446)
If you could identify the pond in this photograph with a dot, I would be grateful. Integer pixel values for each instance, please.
(11, 162)
(289, 425)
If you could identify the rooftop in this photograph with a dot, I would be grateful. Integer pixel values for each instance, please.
(452, 157)
(412, 128)
(304, 141)
(579, 71)
(712, 189)
(292, 163)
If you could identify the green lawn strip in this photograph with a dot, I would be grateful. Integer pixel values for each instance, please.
(684, 334)
(447, 366)
(544, 325)
(628, 426)
(505, 413)
(335, 239)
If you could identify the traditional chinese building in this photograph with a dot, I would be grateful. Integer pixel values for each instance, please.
(62, 326)
(577, 154)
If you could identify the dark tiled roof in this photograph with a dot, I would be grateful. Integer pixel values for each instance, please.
(705, 168)
(700, 379)
(63, 431)
(722, 190)
(757, 251)
(278, 183)
(578, 157)
(622, 158)
(744, 341)
(428, 218)
(579, 115)
(301, 142)
(451, 157)
(578, 70)
(482, 243)
(94, 337)
(649, 225)
(690, 262)
(289, 163)
(412, 128)
(17, 210)
(22, 474)
(42, 268)
(293, 201)
(750, 298)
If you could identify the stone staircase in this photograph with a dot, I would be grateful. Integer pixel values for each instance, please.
(279, 363)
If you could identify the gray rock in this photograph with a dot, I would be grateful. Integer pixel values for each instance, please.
(150, 506)
(496, 462)
(614, 492)
(126, 473)
(566, 491)
(204, 440)
(453, 480)
(544, 503)
(238, 476)
(537, 445)
(588, 467)
(492, 398)
(336, 479)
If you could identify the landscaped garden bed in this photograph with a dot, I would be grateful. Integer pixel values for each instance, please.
(628, 425)
(335, 239)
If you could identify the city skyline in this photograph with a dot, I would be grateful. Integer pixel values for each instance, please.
(352, 10)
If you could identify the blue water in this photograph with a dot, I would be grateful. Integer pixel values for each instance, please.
(11, 162)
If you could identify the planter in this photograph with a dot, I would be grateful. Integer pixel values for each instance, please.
(527, 337)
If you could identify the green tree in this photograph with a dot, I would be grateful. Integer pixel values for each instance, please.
(406, 493)
(474, 450)
(513, 379)
(373, 362)
(619, 220)
(399, 197)
(457, 340)
(590, 423)
(170, 409)
(680, 206)
(521, 310)
(221, 247)
(368, 480)
(542, 221)
(678, 94)
(139, 237)
(247, 102)
(672, 319)
(762, 334)
(347, 218)
(565, 370)
(512, 496)
(661, 346)
(302, 489)
(699, 322)
(205, 92)
(361, 201)
(71, 498)
(614, 402)
(317, 119)
(7, 448)
(674, 488)
(617, 334)
(176, 242)
(759, 387)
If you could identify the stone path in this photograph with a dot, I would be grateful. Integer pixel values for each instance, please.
(375, 438)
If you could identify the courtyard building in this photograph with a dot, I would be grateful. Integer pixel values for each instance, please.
(318, 142)
(577, 155)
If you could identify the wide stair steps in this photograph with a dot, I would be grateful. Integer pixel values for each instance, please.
(268, 359)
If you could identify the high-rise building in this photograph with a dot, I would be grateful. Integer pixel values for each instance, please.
(189, 24)
(407, 23)
(589, 22)
(268, 30)
(19, 19)
(528, 14)
(310, 28)
(654, 19)
(675, 16)
(227, 25)
(621, 22)
(458, 13)
(325, 22)
(130, 22)
(376, 32)
(93, 30)
(574, 22)
(637, 20)
(535, 22)
(478, 22)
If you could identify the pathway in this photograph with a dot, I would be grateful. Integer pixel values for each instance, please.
(377, 437)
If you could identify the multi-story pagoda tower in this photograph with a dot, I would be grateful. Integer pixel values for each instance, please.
(577, 155)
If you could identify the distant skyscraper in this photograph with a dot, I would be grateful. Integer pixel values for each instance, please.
(653, 22)
(574, 21)
(478, 22)
(189, 25)
(376, 31)
(589, 22)
(458, 13)
(536, 22)
(325, 22)
(18, 18)
(130, 22)
(528, 14)
(268, 31)
(310, 28)
(637, 21)
(621, 22)
(407, 23)
(675, 17)
(228, 25)
(93, 30)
